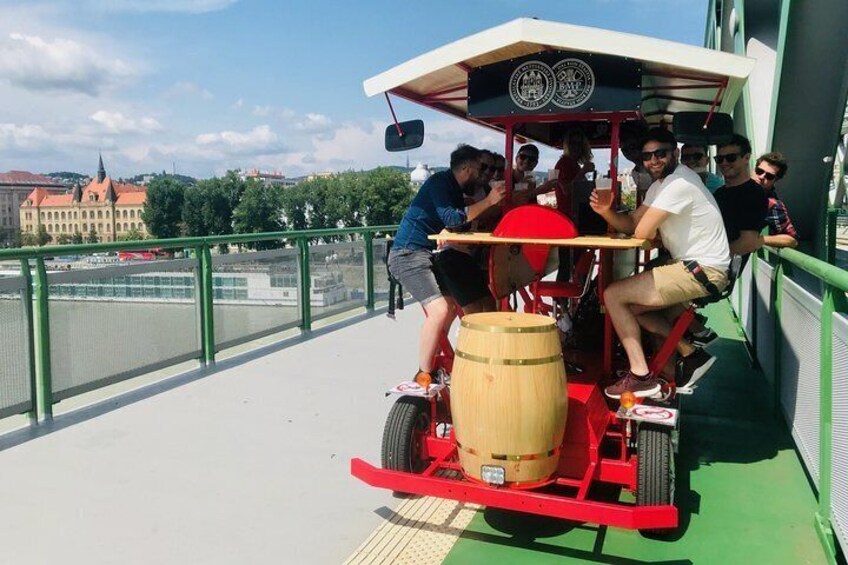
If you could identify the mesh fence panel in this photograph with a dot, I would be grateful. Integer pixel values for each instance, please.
(255, 294)
(110, 324)
(381, 276)
(765, 319)
(15, 389)
(337, 271)
(839, 456)
(799, 364)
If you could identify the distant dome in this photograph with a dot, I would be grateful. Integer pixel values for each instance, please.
(420, 174)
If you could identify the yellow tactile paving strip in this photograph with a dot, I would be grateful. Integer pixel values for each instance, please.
(420, 532)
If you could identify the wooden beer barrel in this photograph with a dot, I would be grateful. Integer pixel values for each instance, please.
(508, 396)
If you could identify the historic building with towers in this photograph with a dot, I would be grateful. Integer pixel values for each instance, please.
(105, 207)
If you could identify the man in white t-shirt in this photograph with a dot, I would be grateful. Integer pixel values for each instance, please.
(681, 209)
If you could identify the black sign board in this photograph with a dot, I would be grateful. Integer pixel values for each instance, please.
(555, 82)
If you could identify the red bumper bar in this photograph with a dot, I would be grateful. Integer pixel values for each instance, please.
(608, 514)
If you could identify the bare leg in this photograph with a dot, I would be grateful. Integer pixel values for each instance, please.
(660, 323)
(486, 304)
(440, 314)
(619, 297)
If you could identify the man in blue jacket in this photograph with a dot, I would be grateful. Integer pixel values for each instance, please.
(438, 205)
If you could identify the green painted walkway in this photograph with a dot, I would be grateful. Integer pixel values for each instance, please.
(741, 489)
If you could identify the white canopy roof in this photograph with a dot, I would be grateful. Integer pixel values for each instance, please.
(439, 78)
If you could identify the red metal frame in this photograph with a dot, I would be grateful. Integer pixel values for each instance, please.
(597, 446)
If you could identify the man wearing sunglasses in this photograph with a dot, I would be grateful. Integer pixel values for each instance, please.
(742, 202)
(769, 169)
(438, 205)
(678, 207)
(695, 157)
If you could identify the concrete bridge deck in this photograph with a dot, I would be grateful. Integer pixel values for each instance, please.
(250, 464)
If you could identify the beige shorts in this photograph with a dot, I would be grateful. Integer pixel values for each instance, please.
(676, 285)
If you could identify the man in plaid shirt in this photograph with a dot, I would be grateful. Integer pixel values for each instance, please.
(770, 168)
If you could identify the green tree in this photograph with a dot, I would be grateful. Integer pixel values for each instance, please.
(208, 208)
(294, 205)
(131, 235)
(163, 208)
(42, 237)
(92, 236)
(28, 239)
(259, 211)
(385, 196)
(64, 239)
(77, 238)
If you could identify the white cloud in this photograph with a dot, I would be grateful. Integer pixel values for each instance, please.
(22, 137)
(190, 89)
(186, 6)
(259, 140)
(31, 62)
(314, 123)
(262, 111)
(116, 122)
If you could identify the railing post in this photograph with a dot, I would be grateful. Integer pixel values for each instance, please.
(823, 526)
(26, 274)
(753, 298)
(305, 285)
(831, 235)
(777, 299)
(207, 310)
(369, 270)
(41, 332)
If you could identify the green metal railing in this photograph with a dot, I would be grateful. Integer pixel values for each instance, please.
(36, 295)
(834, 285)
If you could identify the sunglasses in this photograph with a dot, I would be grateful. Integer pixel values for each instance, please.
(730, 158)
(660, 153)
(529, 158)
(691, 157)
(761, 173)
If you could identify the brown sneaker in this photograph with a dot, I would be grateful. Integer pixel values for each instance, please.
(641, 387)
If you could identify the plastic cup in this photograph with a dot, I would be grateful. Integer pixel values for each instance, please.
(604, 196)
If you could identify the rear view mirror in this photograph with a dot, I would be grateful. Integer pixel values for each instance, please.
(410, 136)
(688, 127)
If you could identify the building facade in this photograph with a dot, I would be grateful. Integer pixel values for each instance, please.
(105, 207)
(270, 179)
(15, 187)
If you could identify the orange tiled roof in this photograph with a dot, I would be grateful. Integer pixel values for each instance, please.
(102, 188)
(57, 200)
(131, 198)
(35, 197)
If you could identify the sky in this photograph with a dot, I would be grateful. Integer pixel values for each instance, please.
(204, 86)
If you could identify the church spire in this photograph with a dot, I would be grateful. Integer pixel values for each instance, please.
(101, 170)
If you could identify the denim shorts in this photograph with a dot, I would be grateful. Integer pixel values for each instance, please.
(413, 268)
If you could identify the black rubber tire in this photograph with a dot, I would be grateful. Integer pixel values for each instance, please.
(407, 423)
(655, 473)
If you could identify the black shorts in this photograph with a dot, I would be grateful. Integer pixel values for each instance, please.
(460, 275)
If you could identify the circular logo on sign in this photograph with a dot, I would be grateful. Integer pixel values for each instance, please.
(531, 85)
(575, 83)
(652, 413)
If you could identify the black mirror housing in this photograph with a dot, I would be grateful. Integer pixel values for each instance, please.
(688, 127)
(405, 136)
